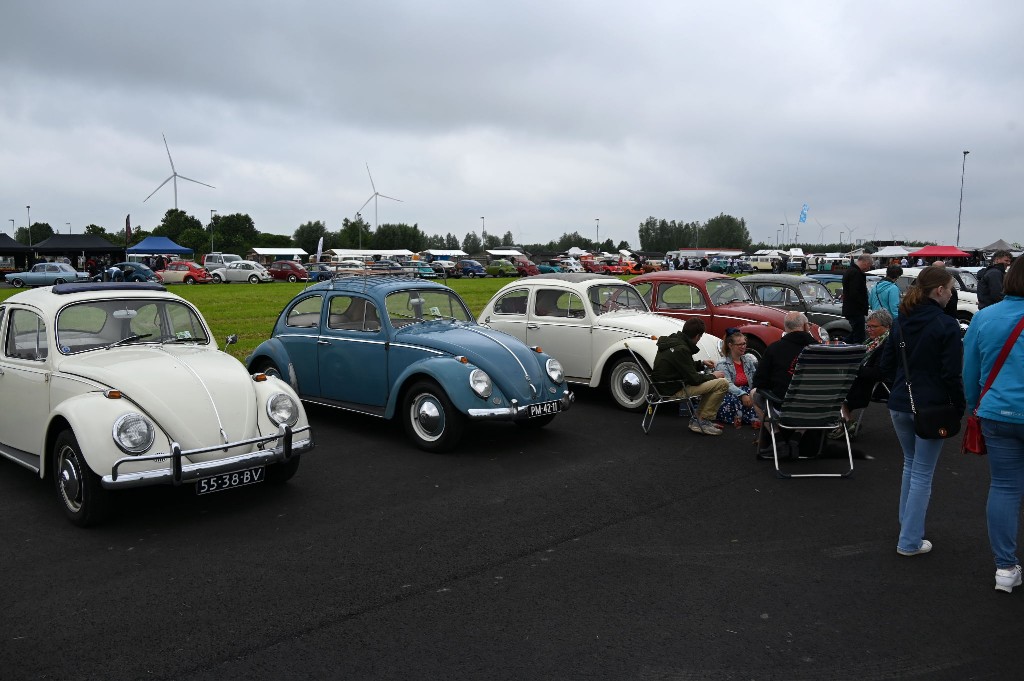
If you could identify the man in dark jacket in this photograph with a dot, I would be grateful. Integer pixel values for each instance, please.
(990, 279)
(855, 298)
(775, 370)
(676, 373)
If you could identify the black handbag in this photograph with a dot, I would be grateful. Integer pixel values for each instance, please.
(936, 422)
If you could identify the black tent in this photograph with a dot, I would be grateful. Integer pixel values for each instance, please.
(20, 253)
(74, 244)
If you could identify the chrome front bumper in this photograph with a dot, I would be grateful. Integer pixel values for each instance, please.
(516, 411)
(178, 472)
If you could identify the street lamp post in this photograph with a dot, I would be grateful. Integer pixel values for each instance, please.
(598, 242)
(963, 167)
(777, 232)
(212, 211)
(28, 212)
(359, 226)
(483, 233)
(13, 229)
(69, 227)
(783, 228)
(841, 239)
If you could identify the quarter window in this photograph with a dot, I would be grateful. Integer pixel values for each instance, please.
(513, 302)
(26, 336)
(305, 313)
(680, 297)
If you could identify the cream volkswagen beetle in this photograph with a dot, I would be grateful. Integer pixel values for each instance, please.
(105, 386)
(584, 321)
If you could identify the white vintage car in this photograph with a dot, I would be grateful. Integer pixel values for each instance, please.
(966, 300)
(242, 270)
(584, 321)
(105, 386)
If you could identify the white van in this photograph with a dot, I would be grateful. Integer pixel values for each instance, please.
(213, 261)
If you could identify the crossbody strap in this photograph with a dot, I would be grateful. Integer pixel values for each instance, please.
(1003, 354)
(906, 364)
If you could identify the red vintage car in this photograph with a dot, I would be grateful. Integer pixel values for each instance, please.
(593, 266)
(184, 272)
(288, 270)
(613, 266)
(720, 300)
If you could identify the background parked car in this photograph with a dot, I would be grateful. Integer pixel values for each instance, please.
(184, 272)
(288, 270)
(418, 268)
(45, 274)
(585, 321)
(501, 268)
(721, 301)
(471, 268)
(135, 271)
(966, 300)
(216, 260)
(242, 271)
(320, 271)
(794, 293)
(445, 268)
(405, 348)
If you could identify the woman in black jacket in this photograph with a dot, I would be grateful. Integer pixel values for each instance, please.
(935, 355)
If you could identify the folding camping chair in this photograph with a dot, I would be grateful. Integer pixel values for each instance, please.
(879, 393)
(655, 398)
(821, 379)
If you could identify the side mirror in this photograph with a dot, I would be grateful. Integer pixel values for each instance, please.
(231, 340)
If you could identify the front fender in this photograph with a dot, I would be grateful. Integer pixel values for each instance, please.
(273, 350)
(643, 346)
(450, 374)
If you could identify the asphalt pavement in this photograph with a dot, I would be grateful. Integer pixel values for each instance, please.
(587, 550)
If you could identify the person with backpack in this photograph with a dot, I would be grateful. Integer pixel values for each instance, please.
(990, 279)
(886, 294)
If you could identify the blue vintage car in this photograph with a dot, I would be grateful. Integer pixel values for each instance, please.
(398, 346)
(470, 268)
(46, 274)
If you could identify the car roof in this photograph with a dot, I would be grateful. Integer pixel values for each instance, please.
(376, 284)
(49, 298)
(569, 277)
(781, 278)
(681, 275)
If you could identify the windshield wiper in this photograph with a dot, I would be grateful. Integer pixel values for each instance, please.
(129, 339)
(165, 341)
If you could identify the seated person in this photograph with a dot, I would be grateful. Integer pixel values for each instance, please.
(775, 371)
(879, 324)
(739, 368)
(676, 373)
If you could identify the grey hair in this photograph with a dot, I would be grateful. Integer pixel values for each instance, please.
(795, 321)
(864, 257)
(882, 316)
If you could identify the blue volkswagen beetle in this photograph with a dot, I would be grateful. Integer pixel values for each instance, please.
(397, 346)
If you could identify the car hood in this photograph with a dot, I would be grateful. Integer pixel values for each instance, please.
(502, 356)
(192, 393)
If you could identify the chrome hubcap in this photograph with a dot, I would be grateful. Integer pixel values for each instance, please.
(630, 384)
(70, 481)
(428, 416)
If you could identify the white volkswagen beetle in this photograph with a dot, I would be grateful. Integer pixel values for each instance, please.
(105, 386)
(585, 321)
(242, 270)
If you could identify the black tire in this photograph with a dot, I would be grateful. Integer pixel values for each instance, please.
(217, 279)
(280, 473)
(627, 384)
(58, 280)
(17, 283)
(430, 419)
(190, 280)
(254, 279)
(536, 423)
(472, 275)
(292, 278)
(79, 491)
(755, 347)
(269, 368)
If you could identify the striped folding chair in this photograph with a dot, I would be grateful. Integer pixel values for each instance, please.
(821, 379)
(655, 398)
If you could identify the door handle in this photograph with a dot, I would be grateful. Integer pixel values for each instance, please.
(532, 326)
(323, 342)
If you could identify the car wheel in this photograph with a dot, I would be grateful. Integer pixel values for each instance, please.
(280, 473)
(17, 283)
(755, 347)
(79, 490)
(472, 275)
(270, 369)
(190, 280)
(217, 279)
(430, 419)
(627, 384)
(292, 279)
(536, 422)
(254, 279)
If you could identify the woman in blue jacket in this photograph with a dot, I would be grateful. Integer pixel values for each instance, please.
(1002, 419)
(886, 294)
(935, 357)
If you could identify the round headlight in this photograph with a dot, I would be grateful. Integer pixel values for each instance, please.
(134, 433)
(282, 409)
(480, 382)
(554, 369)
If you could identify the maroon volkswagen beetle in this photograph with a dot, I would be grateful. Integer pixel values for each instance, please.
(720, 300)
(288, 270)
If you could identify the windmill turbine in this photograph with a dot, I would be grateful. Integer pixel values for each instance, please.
(373, 197)
(174, 176)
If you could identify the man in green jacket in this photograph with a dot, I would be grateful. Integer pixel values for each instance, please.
(676, 373)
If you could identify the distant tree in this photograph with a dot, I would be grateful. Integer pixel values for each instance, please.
(269, 240)
(567, 241)
(96, 230)
(308, 234)
(235, 233)
(196, 238)
(353, 234)
(389, 236)
(174, 223)
(607, 246)
(624, 246)
(725, 231)
(436, 241)
(508, 239)
(451, 242)
(471, 243)
(40, 232)
(491, 241)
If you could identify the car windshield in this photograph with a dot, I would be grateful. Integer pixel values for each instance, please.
(814, 292)
(97, 324)
(605, 298)
(969, 280)
(420, 305)
(727, 290)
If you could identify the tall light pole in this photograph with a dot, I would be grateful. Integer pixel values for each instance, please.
(841, 239)
(598, 221)
(783, 226)
(28, 211)
(212, 211)
(483, 233)
(777, 232)
(963, 167)
(13, 229)
(69, 227)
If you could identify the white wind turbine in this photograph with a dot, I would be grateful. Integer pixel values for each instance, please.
(373, 197)
(174, 176)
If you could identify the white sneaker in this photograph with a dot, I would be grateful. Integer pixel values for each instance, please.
(925, 547)
(1008, 578)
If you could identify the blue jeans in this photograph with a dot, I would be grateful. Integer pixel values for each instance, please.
(1005, 442)
(919, 459)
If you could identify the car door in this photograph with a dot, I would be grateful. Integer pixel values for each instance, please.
(300, 337)
(24, 382)
(560, 323)
(352, 353)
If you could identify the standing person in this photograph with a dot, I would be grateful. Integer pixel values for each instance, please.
(855, 298)
(954, 300)
(1001, 410)
(675, 368)
(704, 264)
(990, 279)
(934, 352)
(886, 294)
(739, 368)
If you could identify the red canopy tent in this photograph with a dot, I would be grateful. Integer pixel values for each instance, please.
(939, 252)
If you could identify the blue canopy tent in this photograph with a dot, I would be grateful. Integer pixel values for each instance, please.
(159, 245)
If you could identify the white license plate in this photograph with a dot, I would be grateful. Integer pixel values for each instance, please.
(545, 408)
(219, 483)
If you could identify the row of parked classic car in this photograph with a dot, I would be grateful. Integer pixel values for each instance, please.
(111, 385)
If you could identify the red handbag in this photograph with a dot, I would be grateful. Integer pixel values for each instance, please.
(974, 439)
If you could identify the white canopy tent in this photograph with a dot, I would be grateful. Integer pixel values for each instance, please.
(891, 252)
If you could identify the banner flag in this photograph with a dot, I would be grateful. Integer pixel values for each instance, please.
(127, 228)
(319, 248)
(803, 213)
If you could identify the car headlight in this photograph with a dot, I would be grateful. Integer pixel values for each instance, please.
(554, 369)
(480, 382)
(824, 334)
(282, 410)
(134, 433)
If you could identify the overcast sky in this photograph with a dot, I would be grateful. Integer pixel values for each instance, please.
(540, 116)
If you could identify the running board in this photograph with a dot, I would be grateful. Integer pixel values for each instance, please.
(29, 461)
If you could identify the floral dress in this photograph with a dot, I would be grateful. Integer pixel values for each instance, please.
(740, 376)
